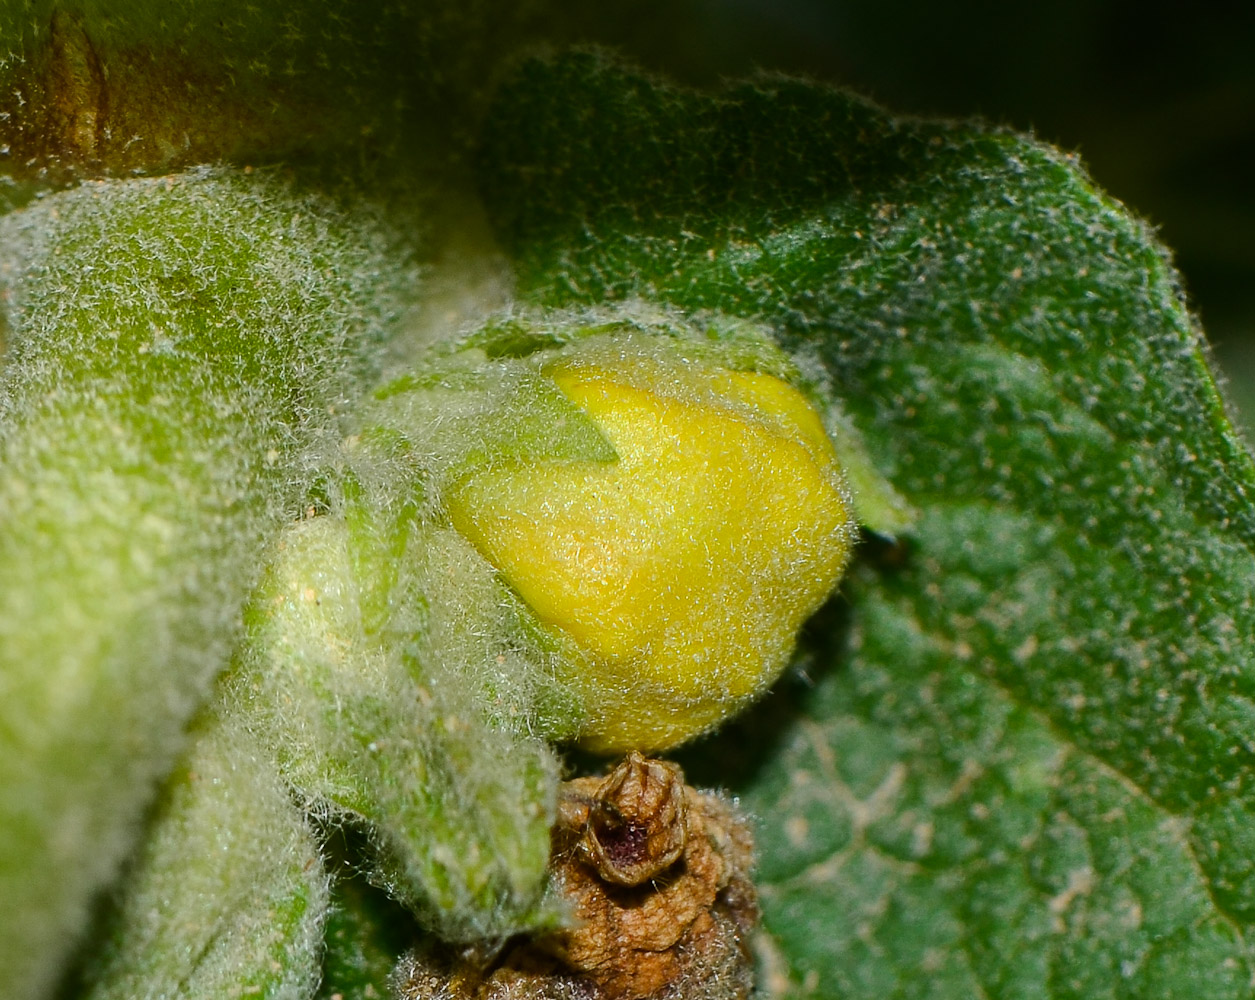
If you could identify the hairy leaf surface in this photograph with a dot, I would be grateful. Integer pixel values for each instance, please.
(1016, 760)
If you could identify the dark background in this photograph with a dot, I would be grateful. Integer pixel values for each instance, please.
(1160, 105)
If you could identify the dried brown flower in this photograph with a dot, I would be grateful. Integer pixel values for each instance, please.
(634, 825)
(656, 875)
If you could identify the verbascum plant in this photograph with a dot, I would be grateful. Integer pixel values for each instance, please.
(1057, 663)
(305, 599)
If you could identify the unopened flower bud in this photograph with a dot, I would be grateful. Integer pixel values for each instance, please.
(683, 569)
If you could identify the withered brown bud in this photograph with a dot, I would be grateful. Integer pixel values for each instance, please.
(637, 824)
(656, 875)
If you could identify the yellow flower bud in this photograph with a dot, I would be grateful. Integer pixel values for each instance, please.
(683, 570)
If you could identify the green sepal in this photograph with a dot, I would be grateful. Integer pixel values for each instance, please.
(470, 408)
(877, 505)
(413, 724)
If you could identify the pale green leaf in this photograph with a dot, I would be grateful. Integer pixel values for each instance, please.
(173, 349)
(228, 896)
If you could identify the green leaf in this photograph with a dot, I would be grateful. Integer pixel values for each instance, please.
(1022, 762)
(228, 896)
(173, 348)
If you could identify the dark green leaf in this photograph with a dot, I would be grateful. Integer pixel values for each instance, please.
(1028, 769)
(366, 931)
